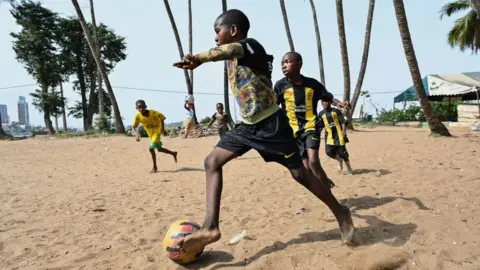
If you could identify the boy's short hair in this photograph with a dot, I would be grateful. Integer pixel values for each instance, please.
(141, 102)
(237, 17)
(297, 56)
(328, 99)
(219, 103)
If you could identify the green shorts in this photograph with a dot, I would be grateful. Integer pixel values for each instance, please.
(156, 145)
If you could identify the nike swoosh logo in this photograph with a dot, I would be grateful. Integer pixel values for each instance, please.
(315, 138)
(289, 156)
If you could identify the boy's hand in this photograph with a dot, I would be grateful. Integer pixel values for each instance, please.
(137, 137)
(188, 62)
(164, 133)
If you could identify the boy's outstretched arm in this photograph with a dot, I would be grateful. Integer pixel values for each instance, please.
(220, 53)
(211, 121)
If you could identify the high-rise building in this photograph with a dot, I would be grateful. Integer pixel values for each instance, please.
(3, 114)
(23, 116)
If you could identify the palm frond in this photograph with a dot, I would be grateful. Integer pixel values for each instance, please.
(462, 34)
(453, 7)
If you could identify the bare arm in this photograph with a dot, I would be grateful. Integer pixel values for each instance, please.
(135, 133)
(211, 121)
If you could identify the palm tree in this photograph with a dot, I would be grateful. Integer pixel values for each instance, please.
(319, 43)
(179, 45)
(120, 128)
(436, 127)
(343, 48)
(465, 33)
(101, 104)
(226, 93)
(287, 26)
(64, 113)
(363, 65)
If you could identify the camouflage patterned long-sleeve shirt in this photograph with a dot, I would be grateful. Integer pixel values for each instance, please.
(249, 73)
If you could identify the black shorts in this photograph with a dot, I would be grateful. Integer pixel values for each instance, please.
(308, 140)
(222, 131)
(272, 138)
(336, 150)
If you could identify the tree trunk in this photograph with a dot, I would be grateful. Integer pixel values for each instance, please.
(46, 111)
(435, 125)
(92, 98)
(190, 51)
(101, 104)
(120, 128)
(363, 65)
(319, 43)
(179, 44)
(83, 92)
(476, 7)
(64, 113)
(226, 92)
(343, 48)
(287, 26)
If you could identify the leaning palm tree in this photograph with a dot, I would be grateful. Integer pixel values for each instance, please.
(287, 26)
(363, 65)
(101, 103)
(436, 127)
(465, 33)
(344, 51)
(190, 45)
(120, 128)
(319, 43)
(226, 95)
(179, 46)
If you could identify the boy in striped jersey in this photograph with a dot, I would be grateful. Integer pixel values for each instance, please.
(335, 125)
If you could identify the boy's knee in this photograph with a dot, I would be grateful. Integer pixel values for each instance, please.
(313, 163)
(211, 162)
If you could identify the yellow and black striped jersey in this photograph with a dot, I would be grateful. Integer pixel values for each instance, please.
(300, 102)
(332, 120)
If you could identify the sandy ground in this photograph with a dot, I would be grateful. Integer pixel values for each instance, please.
(91, 204)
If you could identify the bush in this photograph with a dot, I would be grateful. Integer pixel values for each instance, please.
(205, 120)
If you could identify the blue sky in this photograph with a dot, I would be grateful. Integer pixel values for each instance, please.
(152, 49)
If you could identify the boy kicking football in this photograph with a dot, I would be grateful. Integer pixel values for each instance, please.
(264, 126)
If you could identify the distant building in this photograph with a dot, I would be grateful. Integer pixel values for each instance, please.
(23, 116)
(4, 114)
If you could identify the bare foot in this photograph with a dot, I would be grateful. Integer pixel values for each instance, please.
(154, 170)
(346, 225)
(175, 156)
(197, 241)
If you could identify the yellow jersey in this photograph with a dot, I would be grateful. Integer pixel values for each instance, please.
(153, 124)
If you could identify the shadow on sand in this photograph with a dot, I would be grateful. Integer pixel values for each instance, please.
(367, 171)
(208, 258)
(377, 231)
(185, 169)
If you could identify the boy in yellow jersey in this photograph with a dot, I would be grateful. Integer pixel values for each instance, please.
(153, 123)
(335, 125)
(264, 126)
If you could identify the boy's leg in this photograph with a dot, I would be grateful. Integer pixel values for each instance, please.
(312, 145)
(214, 162)
(331, 152)
(166, 151)
(154, 157)
(342, 213)
(343, 155)
(317, 169)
